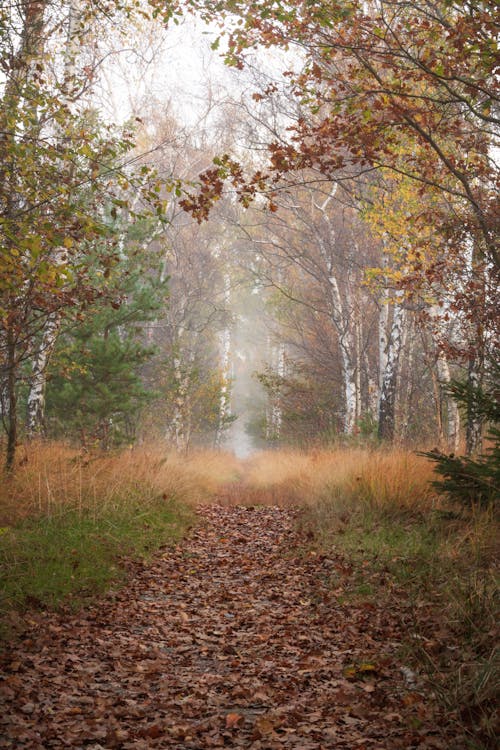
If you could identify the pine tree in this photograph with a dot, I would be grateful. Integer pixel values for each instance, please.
(95, 388)
(474, 480)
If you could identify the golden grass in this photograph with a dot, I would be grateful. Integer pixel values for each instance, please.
(374, 504)
(54, 478)
(377, 478)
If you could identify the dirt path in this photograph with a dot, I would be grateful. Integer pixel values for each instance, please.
(234, 639)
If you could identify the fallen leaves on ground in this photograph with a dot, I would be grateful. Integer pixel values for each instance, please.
(239, 638)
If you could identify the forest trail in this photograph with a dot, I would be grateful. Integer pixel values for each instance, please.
(239, 637)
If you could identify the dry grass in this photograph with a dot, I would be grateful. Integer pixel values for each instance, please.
(70, 520)
(378, 506)
(53, 478)
(377, 479)
(433, 562)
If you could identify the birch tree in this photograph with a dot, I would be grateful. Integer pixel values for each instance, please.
(225, 368)
(389, 374)
(35, 422)
(319, 241)
(59, 166)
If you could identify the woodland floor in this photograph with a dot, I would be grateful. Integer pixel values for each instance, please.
(239, 637)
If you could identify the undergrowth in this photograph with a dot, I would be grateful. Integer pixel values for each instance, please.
(70, 558)
(70, 521)
(434, 563)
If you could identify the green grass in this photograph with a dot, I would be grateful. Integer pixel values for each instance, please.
(438, 569)
(66, 560)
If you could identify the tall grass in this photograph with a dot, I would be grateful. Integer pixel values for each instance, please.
(69, 519)
(434, 563)
(53, 479)
(334, 481)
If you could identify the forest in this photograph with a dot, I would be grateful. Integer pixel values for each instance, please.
(249, 324)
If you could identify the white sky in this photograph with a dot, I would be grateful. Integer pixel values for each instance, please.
(176, 69)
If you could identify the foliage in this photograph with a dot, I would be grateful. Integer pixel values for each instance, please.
(473, 480)
(60, 164)
(397, 109)
(95, 385)
(309, 409)
(391, 86)
(101, 389)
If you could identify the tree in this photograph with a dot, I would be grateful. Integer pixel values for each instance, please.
(405, 86)
(313, 250)
(474, 481)
(390, 87)
(59, 166)
(96, 388)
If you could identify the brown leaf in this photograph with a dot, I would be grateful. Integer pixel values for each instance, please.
(262, 727)
(234, 720)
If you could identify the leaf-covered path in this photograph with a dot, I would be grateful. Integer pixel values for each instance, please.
(237, 638)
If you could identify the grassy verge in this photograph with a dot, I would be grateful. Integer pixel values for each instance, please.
(69, 521)
(435, 565)
(45, 562)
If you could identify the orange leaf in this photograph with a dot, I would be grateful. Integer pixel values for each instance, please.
(234, 720)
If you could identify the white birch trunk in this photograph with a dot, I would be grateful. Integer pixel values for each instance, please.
(277, 413)
(474, 430)
(406, 398)
(387, 403)
(349, 387)
(358, 363)
(176, 431)
(274, 410)
(373, 388)
(35, 424)
(344, 317)
(383, 324)
(225, 347)
(451, 421)
(72, 43)
(347, 345)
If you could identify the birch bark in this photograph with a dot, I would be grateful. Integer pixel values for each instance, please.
(225, 354)
(22, 70)
(451, 418)
(35, 422)
(344, 319)
(274, 411)
(387, 403)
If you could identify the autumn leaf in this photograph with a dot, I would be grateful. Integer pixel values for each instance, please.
(234, 720)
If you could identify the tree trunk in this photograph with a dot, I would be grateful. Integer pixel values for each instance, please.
(274, 412)
(36, 397)
(358, 363)
(224, 399)
(11, 395)
(387, 404)
(474, 429)
(383, 324)
(407, 386)
(372, 390)
(349, 386)
(449, 415)
(179, 418)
